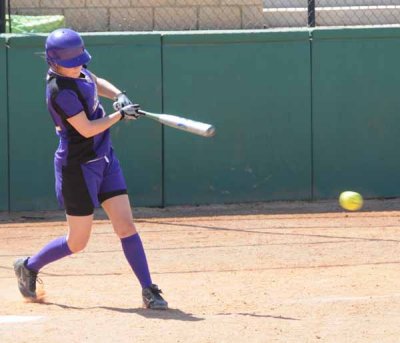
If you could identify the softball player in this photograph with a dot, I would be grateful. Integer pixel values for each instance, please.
(87, 172)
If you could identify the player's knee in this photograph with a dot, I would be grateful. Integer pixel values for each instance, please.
(76, 247)
(125, 230)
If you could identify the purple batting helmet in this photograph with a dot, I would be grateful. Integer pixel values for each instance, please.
(65, 47)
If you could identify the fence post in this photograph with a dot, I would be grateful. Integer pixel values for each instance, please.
(2, 16)
(311, 13)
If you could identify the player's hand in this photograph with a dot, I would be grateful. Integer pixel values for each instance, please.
(130, 112)
(121, 100)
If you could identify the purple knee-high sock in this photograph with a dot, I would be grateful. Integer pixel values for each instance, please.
(134, 253)
(51, 252)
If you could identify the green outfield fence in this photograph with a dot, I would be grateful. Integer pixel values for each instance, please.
(255, 88)
(300, 115)
(356, 107)
(4, 179)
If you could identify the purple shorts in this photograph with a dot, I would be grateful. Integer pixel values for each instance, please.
(82, 187)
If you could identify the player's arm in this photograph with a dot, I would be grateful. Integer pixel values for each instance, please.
(69, 106)
(89, 128)
(108, 90)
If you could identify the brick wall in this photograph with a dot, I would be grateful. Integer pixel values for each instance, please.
(148, 15)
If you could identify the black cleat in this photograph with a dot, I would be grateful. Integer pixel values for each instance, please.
(26, 278)
(152, 298)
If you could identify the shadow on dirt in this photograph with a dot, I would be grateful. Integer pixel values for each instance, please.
(170, 314)
(256, 315)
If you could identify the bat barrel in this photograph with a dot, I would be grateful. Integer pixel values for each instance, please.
(198, 128)
(209, 132)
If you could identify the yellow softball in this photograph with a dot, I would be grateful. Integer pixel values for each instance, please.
(351, 201)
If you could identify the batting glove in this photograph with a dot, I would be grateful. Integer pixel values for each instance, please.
(130, 112)
(121, 100)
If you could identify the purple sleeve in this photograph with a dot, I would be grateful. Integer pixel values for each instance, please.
(68, 102)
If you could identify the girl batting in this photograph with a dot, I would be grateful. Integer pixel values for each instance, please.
(87, 172)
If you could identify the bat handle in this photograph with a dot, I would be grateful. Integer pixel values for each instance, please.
(151, 115)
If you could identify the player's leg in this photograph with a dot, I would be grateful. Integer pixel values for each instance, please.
(116, 204)
(73, 194)
(27, 268)
(120, 214)
(79, 230)
(119, 211)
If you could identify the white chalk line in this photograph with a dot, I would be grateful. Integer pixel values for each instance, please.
(18, 319)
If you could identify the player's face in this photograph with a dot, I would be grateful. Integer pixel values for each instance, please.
(74, 72)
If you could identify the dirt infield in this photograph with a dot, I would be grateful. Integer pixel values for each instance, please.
(274, 272)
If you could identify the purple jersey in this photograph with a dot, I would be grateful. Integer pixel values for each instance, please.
(66, 97)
